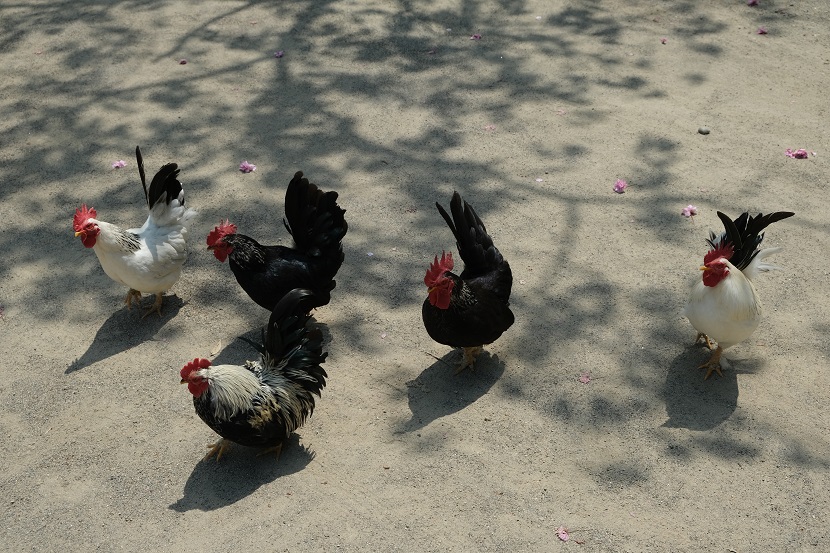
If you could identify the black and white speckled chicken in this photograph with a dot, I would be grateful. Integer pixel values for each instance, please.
(471, 309)
(262, 402)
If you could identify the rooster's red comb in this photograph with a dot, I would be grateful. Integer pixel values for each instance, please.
(194, 365)
(225, 227)
(81, 216)
(724, 251)
(438, 268)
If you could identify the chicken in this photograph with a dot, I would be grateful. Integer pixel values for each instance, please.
(267, 273)
(262, 402)
(471, 309)
(147, 259)
(724, 304)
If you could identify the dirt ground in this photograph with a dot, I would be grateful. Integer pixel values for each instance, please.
(394, 105)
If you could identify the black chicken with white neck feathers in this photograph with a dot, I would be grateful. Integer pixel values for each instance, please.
(262, 402)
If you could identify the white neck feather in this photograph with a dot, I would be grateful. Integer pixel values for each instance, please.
(232, 388)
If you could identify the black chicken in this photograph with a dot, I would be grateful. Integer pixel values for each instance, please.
(267, 273)
(261, 403)
(472, 309)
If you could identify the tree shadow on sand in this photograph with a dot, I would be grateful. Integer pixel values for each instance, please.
(125, 329)
(698, 404)
(438, 392)
(241, 471)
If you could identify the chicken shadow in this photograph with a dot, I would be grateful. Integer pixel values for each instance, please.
(215, 484)
(438, 392)
(697, 404)
(125, 329)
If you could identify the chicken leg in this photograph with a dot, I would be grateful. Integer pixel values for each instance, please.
(469, 359)
(218, 448)
(706, 340)
(276, 449)
(132, 295)
(156, 308)
(713, 364)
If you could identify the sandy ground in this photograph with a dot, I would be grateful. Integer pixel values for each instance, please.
(394, 106)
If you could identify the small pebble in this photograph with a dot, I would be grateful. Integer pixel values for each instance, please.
(704, 130)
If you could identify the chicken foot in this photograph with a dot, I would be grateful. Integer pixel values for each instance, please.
(218, 449)
(156, 308)
(132, 295)
(713, 364)
(469, 359)
(276, 449)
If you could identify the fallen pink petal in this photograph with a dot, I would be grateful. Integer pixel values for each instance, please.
(801, 153)
(585, 377)
(751, 2)
(475, 37)
(689, 211)
(246, 167)
(490, 127)
(762, 30)
(562, 533)
(663, 40)
(182, 61)
(620, 186)
(119, 164)
(279, 54)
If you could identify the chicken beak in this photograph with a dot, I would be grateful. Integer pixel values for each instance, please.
(78, 233)
(429, 290)
(183, 381)
(705, 268)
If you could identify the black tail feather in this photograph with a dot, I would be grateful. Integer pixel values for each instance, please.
(745, 234)
(140, 161)
(165, 185)
(290, 344)
(165, 181)
(313, 217)
(475, 246)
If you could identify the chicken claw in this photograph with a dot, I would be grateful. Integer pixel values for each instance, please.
(713, 364)
(276, 449)
(156, 308)
(469, 359)
(706, 340)
(218, 448)
(132, 295)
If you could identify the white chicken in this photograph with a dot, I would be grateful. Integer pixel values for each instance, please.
(147, 259)
(724, 305)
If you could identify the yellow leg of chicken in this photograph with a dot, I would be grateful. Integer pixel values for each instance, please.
(156, 306)
(713, 364)
(132, 295)
(276, 449)
(218, 449)
(469, 359)
(706, 340)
